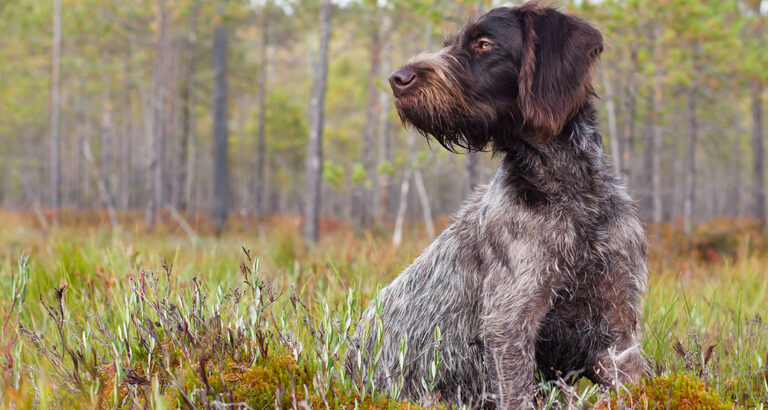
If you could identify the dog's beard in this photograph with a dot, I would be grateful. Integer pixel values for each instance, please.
(447, 115)
(443, 106)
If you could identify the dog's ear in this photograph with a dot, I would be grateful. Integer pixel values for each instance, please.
(558, 57)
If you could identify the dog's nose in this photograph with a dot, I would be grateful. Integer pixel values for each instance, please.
(402, 79)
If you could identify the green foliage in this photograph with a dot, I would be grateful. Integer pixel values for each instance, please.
(386, 168)
(358, 173)
(333, 175)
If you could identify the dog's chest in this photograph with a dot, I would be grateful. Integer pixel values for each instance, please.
(513, 234)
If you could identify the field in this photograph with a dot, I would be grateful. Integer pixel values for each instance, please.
(99, 318)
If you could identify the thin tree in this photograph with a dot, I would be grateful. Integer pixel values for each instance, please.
(261, 163)
(405, 186)
(473, 170)
(758, 149)
(105, 137)
(157, 137)
(656, 142)
(368, 147)
(381, 181)
(55, 159)
(220, 131)
(629, 121)
(613, 128)
(188, 149)
(315, 144)
(758, 152)
(653, 136)
(689, 199)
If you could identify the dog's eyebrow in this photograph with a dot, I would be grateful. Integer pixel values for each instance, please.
(475, 31)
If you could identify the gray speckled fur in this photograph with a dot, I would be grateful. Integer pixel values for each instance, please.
(546, 266)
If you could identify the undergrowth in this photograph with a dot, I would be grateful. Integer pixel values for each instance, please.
(86, 323)
(250, 346)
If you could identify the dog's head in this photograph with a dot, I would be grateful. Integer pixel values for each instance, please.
(509, 73)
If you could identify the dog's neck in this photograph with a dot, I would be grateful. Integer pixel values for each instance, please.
(570, 165)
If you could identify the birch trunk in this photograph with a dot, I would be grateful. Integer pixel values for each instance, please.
(405, 185)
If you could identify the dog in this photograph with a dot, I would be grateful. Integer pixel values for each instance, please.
(544, 269)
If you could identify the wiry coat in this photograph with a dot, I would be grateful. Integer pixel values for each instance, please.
(544, 268)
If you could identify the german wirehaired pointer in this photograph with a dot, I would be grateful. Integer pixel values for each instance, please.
(544, 268)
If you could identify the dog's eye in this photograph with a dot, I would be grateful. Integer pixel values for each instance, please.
(484, 45)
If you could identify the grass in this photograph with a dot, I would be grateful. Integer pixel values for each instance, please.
(100, 318)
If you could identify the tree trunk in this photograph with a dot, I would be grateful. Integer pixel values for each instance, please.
(316, 114)
(405, 185)
(220, 132)
(613, 129)
(653, 141)
(371, 119)
(125, 165)
(690, 163)
(647, 201)
(55, 159)
(261, 145)
(656, 142)
(629, 120)
(758, 178)
(735, 192)
(473, 171)
(105, 140)
(381, 181)
(397, 236)
(183, 183)
(426, 209)
(83, 137)
(157, 142)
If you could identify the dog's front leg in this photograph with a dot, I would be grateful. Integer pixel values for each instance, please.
(514, 306)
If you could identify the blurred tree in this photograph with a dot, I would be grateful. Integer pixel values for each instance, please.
(754, 66)
(258, 189)
(157, 137)
(188, 146)
(220, 129)
(316, 114)
(55, 158)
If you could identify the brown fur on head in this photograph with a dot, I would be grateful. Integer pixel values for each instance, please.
(555, 79)
(520, 72)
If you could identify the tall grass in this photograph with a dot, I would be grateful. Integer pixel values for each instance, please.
(95, 317)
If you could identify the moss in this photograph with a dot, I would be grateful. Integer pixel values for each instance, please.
(283, 382)
(675, 392)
